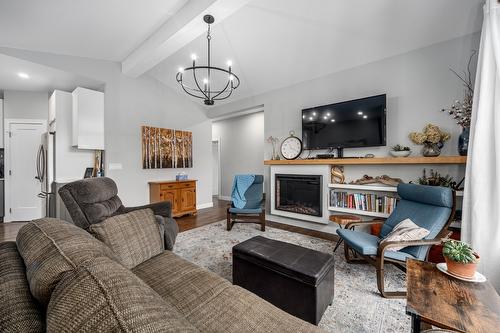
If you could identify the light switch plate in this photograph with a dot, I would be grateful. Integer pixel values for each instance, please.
(115, 166)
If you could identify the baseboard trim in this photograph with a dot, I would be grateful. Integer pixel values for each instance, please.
(205, 205)
(223, 197)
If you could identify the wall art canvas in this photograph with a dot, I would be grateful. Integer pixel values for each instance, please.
(166, 148)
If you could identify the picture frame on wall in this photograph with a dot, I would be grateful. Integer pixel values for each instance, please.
(166, 148)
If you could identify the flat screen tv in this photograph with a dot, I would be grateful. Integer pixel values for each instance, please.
(351, 124)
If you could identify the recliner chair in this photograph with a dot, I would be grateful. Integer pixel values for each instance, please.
(93, 200)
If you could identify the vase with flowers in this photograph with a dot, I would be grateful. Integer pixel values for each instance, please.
(432, 138)
(461, 111)
(273, 141)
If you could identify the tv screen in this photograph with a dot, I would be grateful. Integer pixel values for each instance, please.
(356, 123)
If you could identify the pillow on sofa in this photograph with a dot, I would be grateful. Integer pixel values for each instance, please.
(19, 311)
(405, 230)
(51, 247)
(103, 296)
(134, 237)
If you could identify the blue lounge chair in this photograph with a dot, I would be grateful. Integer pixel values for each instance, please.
(247, 199)
(429, 207)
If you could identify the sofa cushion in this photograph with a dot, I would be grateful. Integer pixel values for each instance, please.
(19, 311)
(181, 283)
(238, 310)
(134, 237)
(51, 247)
(211, 303)
(100, 295)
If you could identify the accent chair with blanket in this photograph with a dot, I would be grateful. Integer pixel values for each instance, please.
(247, 199)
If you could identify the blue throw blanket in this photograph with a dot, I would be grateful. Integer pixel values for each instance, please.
(241, 184)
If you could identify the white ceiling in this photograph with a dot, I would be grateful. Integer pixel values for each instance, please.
(274, 44)
(103, 29)
(41, 78)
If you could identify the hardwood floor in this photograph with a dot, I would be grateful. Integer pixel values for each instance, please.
(8, 231)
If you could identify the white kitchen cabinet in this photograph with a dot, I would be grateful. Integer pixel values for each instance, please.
(88, 119)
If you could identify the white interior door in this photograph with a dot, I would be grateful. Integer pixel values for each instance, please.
(215, 168)
(22, 188)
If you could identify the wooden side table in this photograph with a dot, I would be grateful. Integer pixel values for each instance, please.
(342, 221)
(443, 301)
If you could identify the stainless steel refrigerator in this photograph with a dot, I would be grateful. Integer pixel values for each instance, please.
(45, 171)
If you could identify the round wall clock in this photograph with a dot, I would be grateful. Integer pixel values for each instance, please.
(291, 147)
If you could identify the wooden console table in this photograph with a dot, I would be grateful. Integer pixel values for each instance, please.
(181, 193)
(440, 300)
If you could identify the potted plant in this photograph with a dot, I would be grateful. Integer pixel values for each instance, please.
(461, 260)
(400, 151)
(433, 139)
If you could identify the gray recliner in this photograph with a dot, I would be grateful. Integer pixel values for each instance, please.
(93, 200)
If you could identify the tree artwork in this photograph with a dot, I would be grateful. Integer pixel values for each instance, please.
(166, 148)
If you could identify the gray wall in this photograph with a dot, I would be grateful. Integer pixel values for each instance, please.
(418, 84)
(130, 103)
(26, 105)
(241, 147)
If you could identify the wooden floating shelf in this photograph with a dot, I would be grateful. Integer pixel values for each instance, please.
(358, 212)
(374, 161)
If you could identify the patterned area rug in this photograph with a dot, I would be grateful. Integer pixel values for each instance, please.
(357, 305)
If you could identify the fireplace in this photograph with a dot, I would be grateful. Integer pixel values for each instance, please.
(301, 194)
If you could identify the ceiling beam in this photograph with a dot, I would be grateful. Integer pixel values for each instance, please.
(179, 30)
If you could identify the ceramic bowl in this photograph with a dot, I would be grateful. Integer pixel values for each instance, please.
(402, 153)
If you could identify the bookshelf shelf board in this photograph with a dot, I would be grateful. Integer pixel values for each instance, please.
(374, 161)
(358, 212)
(375, 188)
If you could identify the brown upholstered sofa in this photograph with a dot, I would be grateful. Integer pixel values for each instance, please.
(117, 277)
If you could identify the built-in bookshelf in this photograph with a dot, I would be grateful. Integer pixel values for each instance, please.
(368, 200)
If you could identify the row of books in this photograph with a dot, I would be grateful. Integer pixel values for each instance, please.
(363, 201)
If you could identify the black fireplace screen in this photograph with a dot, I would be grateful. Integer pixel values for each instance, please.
(300, 194)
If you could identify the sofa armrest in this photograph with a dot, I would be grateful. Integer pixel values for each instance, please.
(163, 208)
(383, 246)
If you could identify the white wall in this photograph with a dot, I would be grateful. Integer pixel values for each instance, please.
(130, 103)
(241, 147)
(418, 85)
(26, 105)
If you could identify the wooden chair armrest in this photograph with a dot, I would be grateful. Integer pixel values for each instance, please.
(383, 246)
(353, 224)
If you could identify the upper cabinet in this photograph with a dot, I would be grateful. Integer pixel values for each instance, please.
(88, 119)
(1, 123)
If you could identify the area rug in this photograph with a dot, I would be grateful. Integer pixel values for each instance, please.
(357, 305)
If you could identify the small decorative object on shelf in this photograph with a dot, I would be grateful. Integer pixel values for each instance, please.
(273, 141)
(291, 147)
(461, 259)
(435, 179)
(338, 174)
(181, 176)
(461, 111)
(384, 179)
(433, 139)
(400, 151)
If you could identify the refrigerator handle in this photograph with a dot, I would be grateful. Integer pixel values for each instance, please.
(38, 157)
(42, 164)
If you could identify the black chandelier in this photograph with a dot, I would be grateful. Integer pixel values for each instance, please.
(227, 84)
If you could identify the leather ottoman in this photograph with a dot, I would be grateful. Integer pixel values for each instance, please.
(300, 281)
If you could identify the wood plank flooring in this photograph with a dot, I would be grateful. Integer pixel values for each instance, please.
(8, 231)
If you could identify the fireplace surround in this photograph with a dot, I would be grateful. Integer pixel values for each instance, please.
(299, 194)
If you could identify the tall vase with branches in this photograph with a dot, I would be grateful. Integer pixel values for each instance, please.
(461, 110)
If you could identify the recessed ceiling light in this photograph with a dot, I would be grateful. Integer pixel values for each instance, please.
(23, 75)
(360, 112)
(365, 116)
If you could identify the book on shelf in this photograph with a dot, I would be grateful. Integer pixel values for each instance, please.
(363, 201)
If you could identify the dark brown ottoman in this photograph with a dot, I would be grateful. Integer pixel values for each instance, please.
(298, 280)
